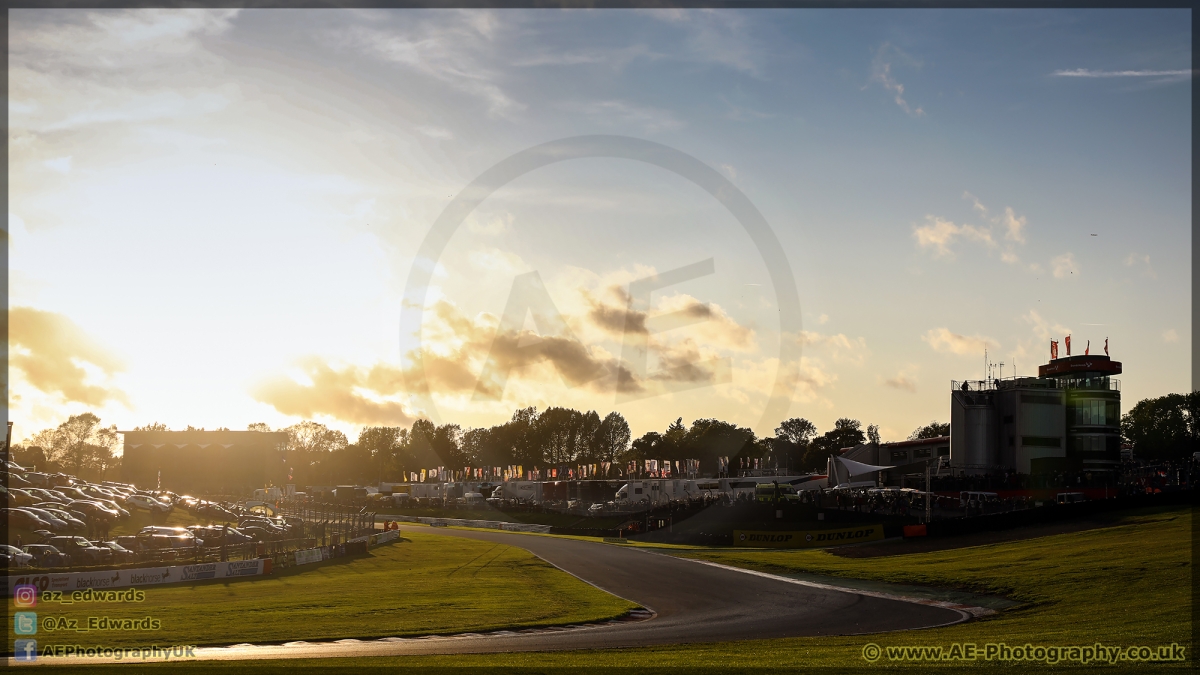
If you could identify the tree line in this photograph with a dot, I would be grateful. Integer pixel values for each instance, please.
(556, 437)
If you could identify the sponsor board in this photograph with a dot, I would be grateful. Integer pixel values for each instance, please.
(310, 555)
(148, 576)
(807, 539)
(384, 537)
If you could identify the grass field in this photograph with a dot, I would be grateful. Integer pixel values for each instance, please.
(426, 585)
(1123, 585)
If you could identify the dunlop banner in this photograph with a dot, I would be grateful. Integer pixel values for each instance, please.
(808, 539)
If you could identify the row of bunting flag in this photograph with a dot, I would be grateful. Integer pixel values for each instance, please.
(649, 468)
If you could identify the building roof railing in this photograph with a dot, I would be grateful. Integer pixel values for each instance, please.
(1096, 383)
(973, 385)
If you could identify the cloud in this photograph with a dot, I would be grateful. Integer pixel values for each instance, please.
(454, 47)
(624, 113)
(341, 394)
(1043, 328)
(719, 37)
(492, 226)
(1139, 259)
(823, 319)
(704, 320)
(1014, 227)
(1170, 335)
(1065, 266)
(436, 133)
(842, 349)
(939, 234)
(494, 260)
(61, 164)
(942, 340)
(1086, 72)
(881, 72)
(905, 380)
(85, 68)
(51, 351)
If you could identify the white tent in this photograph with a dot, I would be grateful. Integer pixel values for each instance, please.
(842, 470)
(854, 468)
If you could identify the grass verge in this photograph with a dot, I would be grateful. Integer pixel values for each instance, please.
(1122, 585)
(426, 585)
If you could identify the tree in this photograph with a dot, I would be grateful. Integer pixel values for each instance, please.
(846, 433)
(612, 438)
(154, 426)
(873, 434)
(308, 445)
(710, 438)
(80, 446)
(383, 447)
(1167, 427)
(932, 430)
(258, 426)
(797, 430)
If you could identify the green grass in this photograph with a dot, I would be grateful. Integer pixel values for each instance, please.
(1122, 585)
(427, 585)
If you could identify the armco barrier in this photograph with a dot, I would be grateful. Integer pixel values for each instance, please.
(488, 524)
(149, 576)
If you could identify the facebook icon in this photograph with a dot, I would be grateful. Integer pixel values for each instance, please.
(25, 651)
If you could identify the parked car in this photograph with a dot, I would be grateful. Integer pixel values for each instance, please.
(120, 553)
(80, 551)
(259, 533)
(144, 503)
(73, 524)
(38, 479)
(14, 480)
(94, 510)
(215, 512)
(19, 519)
(19, 497)
(45, 556)
(11, 556)
(215, 535)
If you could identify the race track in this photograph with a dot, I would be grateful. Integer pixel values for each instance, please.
(691, 602)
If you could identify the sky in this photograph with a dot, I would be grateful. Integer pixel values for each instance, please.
(215, 216)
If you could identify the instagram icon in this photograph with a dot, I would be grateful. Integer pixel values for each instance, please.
(25, 595)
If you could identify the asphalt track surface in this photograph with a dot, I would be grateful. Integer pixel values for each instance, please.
(691, 602)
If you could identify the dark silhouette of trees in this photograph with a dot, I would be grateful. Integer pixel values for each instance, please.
(1164, 428)
(932, 430)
